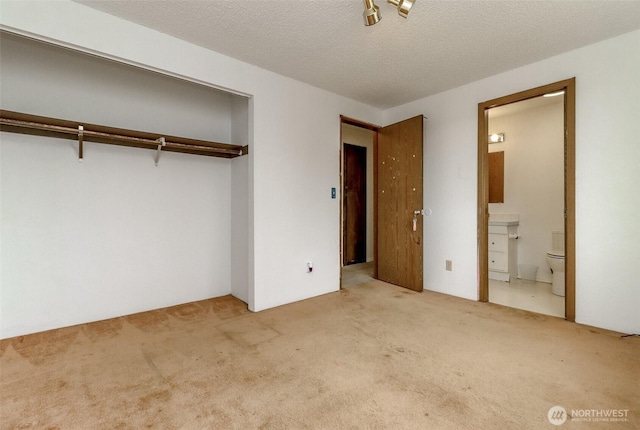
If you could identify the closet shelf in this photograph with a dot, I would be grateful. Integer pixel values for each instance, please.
(16, 122)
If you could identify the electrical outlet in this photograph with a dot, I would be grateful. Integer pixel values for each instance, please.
(448, 265)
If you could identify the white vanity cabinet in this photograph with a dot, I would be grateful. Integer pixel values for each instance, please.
(503, 250)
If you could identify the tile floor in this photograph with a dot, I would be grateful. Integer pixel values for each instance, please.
(530, 296)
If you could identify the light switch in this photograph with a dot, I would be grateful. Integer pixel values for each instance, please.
(333, 192)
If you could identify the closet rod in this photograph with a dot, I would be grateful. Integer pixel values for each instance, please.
(31, 124)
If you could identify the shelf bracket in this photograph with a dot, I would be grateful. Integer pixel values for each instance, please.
(80, 144)
(161, 143)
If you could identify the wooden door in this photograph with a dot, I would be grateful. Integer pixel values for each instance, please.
(399, 196)
(355, 204)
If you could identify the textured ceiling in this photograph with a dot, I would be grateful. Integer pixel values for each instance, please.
(443, 43)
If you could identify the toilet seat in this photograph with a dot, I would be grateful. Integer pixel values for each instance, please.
(555, 254)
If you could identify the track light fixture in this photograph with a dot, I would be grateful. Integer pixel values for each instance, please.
(372, 12)
(403, 6)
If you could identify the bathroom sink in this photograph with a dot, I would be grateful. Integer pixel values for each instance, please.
(504, 219)
(507, 223)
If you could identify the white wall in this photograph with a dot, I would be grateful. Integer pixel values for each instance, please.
(362, 137)
(111, 236)
(607, 174)
(294, 142)
(240, 202)
(115, 234)
(533, 178)
(41, 79)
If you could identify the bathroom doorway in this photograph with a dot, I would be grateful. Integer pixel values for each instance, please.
(534, 203)
(526, 202)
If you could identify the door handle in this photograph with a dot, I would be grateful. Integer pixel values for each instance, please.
(423, 212)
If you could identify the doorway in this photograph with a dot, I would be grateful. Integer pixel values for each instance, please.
(396, 226)
(357, 219)
(568, 86)
(526, 199)
(354, 192)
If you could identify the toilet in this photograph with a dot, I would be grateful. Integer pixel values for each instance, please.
(555, 259)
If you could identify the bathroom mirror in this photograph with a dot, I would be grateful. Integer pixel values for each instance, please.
(496, 177)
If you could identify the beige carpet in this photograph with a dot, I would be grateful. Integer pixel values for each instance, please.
(373, 356)
(355, 274)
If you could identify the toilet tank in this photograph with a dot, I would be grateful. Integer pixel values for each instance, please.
(557, 240)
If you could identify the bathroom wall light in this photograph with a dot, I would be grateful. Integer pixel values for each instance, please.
(496, 137)
(557, 93)
(372, 12)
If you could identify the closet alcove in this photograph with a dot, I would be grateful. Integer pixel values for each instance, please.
(116, 234)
